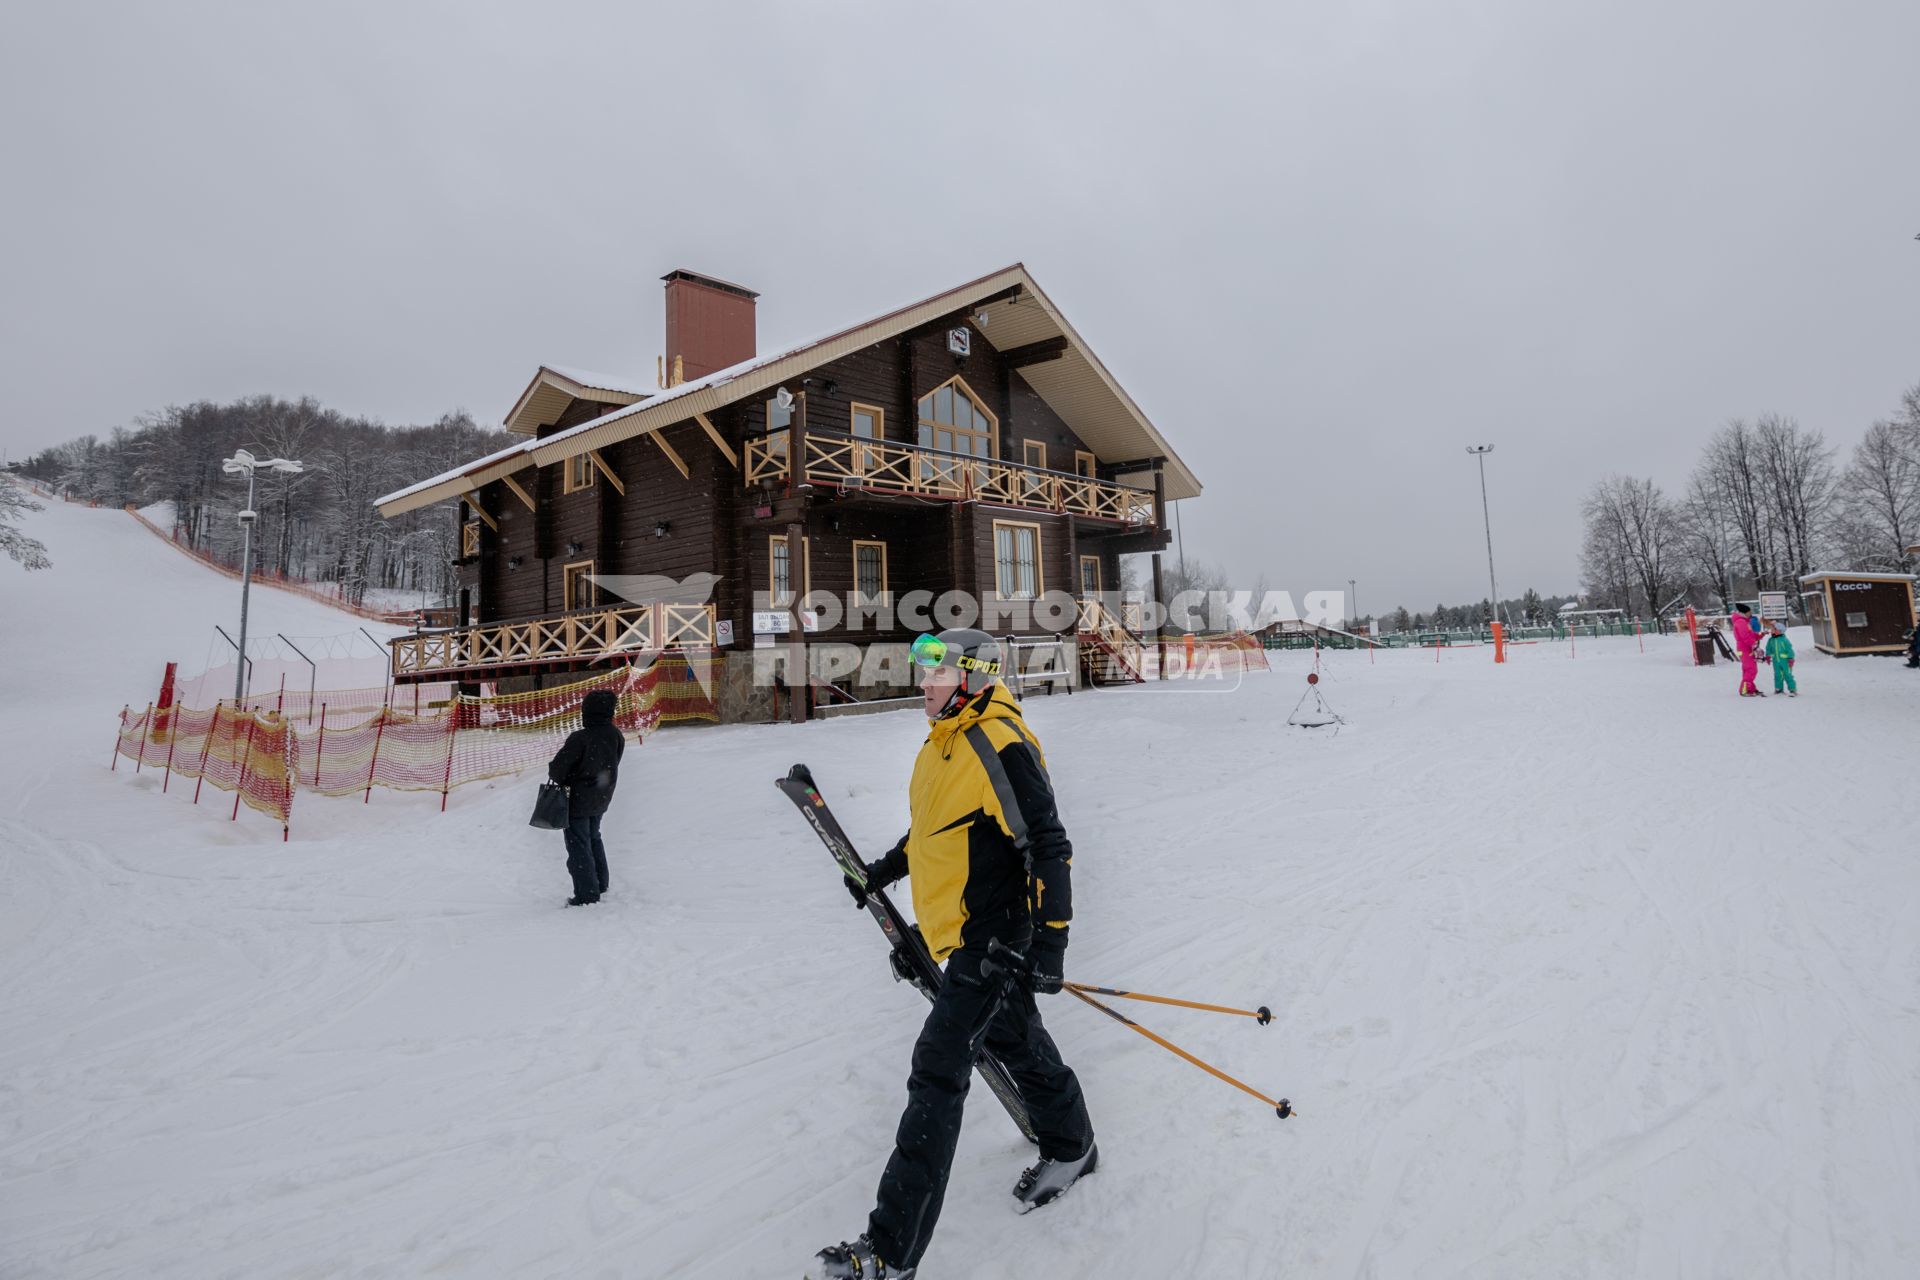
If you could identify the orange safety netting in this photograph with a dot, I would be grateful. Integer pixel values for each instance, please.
(236, 751)
(1235, 651)
(358, 739)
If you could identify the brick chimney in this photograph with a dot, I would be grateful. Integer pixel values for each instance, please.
(709, 323)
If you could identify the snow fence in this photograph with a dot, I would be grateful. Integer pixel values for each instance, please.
(353, 740)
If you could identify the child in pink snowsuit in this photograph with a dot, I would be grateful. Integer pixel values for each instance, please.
(1746, 639)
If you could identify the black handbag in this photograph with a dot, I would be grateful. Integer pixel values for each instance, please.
(550, 808)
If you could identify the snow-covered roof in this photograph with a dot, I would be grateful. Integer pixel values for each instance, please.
(510, 454)
(1825, 574)
(604, 381)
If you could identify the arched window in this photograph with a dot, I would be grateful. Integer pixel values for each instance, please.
(953, 418)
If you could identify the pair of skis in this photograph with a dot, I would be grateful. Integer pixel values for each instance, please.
(911, 959)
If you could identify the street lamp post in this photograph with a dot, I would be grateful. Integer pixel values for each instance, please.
(242, 461)
(1480, 452)
(1353, 605)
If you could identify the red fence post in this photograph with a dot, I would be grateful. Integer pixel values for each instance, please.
(173, 740)
(320, 747)
(246, 762)
(117, 735)
(144, 730)
(453, 728)
(380, 729)
(207, 747)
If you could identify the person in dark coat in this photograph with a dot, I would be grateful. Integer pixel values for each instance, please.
(588, 766)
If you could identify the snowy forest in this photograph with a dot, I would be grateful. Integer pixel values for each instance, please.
(1767, 501)
(319, 524)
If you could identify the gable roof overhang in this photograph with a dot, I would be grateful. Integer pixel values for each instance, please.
(1074, 384)
(555, 387)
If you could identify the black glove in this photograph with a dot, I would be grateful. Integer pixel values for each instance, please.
(879, 875)
(1046, 961)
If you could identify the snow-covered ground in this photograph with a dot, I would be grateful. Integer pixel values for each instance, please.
(1582, 967)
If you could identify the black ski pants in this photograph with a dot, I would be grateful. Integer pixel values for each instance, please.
(970, 1010)
(586, 857)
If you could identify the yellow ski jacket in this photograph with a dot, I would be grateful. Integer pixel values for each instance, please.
(986, 850)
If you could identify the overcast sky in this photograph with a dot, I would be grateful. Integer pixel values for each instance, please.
(1325, 246)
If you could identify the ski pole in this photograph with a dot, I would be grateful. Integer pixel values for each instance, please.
(1262, 1015)
(1281, 1107)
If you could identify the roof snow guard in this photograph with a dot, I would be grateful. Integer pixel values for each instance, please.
(1011, 312)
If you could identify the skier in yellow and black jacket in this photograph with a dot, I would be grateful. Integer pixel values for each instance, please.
(989, 860)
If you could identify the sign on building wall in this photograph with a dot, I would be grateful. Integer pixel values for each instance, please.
(1773, 604)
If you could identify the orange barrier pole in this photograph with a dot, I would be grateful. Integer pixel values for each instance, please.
(246, 762)
(1693, 634)
(144, 730)
(1499, 642)
(379, 731)
(206, 747)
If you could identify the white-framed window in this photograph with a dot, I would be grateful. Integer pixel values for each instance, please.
(1016, 560)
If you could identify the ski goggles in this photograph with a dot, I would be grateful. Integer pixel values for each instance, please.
(930, 650)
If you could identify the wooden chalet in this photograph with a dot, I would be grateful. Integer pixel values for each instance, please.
(969, 441)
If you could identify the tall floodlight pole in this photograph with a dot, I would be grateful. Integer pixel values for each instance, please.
(1480, 452)
(1353, 605)
(242, 461)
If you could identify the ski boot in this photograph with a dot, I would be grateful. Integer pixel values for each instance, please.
(1044, 1182)
(855, 1261)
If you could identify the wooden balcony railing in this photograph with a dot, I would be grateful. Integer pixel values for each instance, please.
(884, 466)
(769, 457)
(583, 635)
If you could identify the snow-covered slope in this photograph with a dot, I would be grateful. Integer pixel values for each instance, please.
(1582, 967)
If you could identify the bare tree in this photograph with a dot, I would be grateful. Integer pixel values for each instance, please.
(1880, 492)
(1796, 477)
(1632, 538)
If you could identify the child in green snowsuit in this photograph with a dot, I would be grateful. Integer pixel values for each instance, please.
(1779, 650)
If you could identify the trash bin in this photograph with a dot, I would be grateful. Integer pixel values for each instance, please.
(1703, 650)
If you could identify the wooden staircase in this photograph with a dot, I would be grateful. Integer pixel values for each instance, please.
(1109, 652)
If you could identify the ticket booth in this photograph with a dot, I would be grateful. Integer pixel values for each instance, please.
(1855, 613)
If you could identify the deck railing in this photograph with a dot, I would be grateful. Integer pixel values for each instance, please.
(583, 635)
(885, 466)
